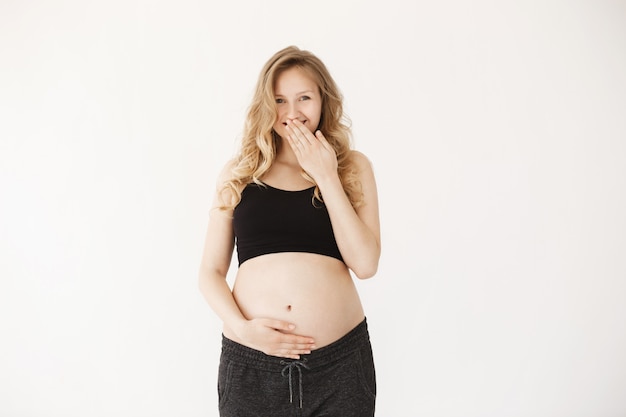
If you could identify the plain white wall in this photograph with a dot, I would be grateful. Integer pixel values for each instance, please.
(497, 133)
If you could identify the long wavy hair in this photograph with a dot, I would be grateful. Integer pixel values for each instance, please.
(260, 142)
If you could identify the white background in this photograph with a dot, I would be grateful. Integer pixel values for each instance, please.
(497, 133)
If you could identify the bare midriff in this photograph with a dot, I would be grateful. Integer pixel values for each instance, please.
(314, 292)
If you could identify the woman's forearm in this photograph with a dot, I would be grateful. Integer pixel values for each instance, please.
(219, 296)
(358, 244)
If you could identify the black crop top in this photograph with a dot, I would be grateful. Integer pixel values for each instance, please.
(270, 220)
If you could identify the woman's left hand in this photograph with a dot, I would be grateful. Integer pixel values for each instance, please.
(315, 155)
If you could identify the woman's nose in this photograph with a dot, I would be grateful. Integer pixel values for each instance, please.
(292, 111)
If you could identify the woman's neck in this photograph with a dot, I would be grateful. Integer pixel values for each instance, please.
(286, 172)
(286, 156)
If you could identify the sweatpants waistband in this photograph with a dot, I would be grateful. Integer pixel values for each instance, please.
(328, 354)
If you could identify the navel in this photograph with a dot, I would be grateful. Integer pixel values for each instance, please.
(289, 307)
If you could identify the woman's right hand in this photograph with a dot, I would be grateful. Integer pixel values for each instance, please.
(272, 338)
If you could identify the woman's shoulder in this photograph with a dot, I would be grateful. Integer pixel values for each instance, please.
(360, 160)
(227, 186)
(228, 175)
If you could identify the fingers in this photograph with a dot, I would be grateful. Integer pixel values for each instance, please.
(289, 350)
(288, 345)
(296, 341)
(293, 340)
(313, 152)
(300, 134)
(320, 136)
(294, 146)
(274, 337)
(279, 325)
(295, 349)
(304, 347)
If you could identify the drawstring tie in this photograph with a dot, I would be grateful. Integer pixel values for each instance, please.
(286, 372)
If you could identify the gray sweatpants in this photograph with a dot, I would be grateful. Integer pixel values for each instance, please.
(337, 380)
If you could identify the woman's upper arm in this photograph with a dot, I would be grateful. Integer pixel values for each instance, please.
(368, 211)
(219, 240)
(218, 244)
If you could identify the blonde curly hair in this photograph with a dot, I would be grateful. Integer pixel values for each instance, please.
(259, 141)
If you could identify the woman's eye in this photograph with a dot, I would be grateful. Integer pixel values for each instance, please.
(279, 101)
(305, 98)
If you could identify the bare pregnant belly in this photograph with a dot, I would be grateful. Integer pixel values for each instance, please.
(314, 292)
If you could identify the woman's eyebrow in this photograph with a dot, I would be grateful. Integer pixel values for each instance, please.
(297, 94)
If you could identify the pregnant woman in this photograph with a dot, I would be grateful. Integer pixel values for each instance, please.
(301, 209)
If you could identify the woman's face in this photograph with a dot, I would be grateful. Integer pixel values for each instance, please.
(297, 97)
